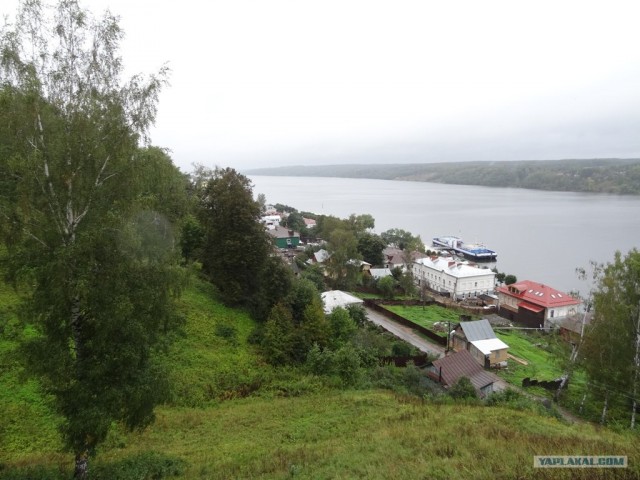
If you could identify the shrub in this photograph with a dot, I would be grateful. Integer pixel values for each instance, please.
(463, 389)
(320, 361)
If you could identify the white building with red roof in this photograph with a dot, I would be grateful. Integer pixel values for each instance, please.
(534, 304)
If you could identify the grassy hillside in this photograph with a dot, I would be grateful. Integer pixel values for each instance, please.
(232, 416)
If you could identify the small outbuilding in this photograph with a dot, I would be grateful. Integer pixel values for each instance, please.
(478, 338)
(448, 370)
(337, 298)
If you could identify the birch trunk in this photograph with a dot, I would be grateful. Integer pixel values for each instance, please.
(81, 471)
(584, 398)
(603, 417)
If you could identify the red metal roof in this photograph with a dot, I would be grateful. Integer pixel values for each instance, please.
(538, 294)
(529, 306)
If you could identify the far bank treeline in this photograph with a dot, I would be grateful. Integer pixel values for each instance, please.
(611, 175)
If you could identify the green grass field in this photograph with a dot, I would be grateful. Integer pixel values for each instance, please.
(427, 315)
(543, 354)
(233, 417)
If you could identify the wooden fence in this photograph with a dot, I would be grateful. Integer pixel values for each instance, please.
(375, 305)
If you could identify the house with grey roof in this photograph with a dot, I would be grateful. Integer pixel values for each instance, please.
(478, 338)
(448, 370)
(284, 237)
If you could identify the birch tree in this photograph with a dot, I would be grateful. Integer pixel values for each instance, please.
(611, 345)
(100, 270)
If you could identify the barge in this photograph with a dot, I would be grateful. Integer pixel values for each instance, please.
(472, 251)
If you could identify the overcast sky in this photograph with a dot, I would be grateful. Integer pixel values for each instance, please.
(270, 83)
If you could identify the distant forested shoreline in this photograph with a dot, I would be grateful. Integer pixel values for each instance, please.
(611, 175)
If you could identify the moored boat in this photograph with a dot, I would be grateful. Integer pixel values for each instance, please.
(472, 251)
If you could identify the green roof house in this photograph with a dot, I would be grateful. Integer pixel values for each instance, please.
(284, 238)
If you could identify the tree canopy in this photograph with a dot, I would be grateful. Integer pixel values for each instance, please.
(611, 344)
(83, 220)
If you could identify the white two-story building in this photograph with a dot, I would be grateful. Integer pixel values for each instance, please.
(458, 279)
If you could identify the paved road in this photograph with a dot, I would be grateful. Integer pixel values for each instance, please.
(409, 335)
(405, 333)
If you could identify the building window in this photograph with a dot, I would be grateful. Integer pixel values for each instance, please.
(552, 313)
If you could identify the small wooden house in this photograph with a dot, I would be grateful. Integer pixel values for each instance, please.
(284, 237)
(478, 338)
(448, 370)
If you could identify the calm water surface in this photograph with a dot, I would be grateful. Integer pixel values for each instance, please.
(540, 236)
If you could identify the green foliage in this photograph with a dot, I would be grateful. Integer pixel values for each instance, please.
(228, 332)
(409, 380)
(191, 238)
(295, 221)
(401, 349)
(315, 328)
(235, 244)
(90, 219)
(314, 274)
(275, 280)
(407, 284)
(278, 341)
(343, 267)
(294, 418)
(386, 286)
(510, 279)
(205, 366)
(163, 188)
(370, 246)
(463, 389)
(320, 361)
(341, 327)
(519, 401)
(348, 365)
(357, 314)
(303, 293)
(609, 352)
(143, 466)
(398, 238)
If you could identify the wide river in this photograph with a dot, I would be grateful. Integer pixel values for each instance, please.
(539, 236)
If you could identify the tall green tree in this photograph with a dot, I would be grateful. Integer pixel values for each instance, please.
(396, 237)
(343, 267)
(278, 342)
(611, 344)
(81, 230)
(370, 246)
(236, 246)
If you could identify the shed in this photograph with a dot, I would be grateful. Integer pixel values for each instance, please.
(448, 370)
(479, 339)
(337, 298)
